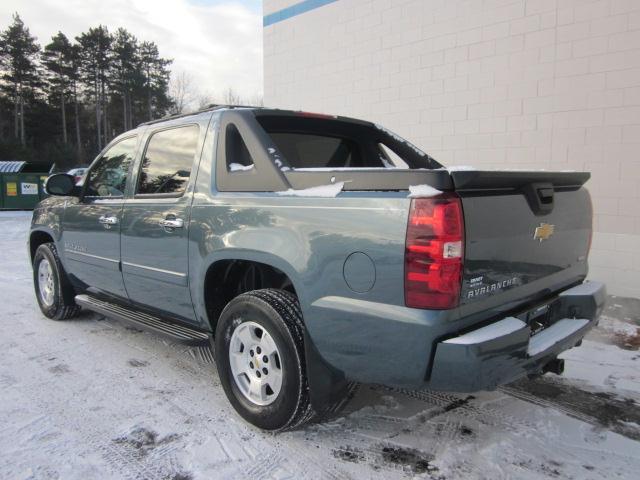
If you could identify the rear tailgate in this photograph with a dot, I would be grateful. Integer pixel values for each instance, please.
(521, 229)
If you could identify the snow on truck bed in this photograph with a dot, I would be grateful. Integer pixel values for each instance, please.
(327, 191)
(93, 398)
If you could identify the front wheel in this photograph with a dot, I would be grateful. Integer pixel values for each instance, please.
(260, 357)
(53, 290)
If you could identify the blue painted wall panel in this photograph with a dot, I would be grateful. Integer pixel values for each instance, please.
(294, 10)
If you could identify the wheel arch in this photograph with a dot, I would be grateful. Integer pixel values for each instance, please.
(37, 238)
(226, 278)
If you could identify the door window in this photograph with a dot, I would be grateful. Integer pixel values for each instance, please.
(167, 161)
(108, 177)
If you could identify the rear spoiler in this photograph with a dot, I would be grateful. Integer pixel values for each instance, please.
(470, 180)
(441, 179)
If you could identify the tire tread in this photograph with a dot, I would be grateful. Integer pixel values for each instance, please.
(287, 306)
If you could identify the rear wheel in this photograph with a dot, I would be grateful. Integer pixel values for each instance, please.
(53, 290)
(260, 357)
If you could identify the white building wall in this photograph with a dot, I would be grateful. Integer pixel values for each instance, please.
(540, 84)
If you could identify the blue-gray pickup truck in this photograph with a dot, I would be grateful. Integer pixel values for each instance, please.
(313, 250)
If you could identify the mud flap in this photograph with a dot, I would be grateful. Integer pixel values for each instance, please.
(327, 386)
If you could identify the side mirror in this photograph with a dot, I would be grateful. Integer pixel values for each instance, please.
(61, 184)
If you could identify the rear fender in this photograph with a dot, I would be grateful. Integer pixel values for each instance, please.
(327, 385)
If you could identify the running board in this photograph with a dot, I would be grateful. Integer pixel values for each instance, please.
(180, 333)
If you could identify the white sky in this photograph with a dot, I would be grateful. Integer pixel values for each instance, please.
(217, 43)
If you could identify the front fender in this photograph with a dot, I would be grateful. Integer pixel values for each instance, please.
(45, 222)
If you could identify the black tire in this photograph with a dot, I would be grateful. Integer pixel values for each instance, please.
(63, 305)
(278, 311)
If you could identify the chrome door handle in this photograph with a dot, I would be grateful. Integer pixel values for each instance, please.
(172, 223)
(108, 220)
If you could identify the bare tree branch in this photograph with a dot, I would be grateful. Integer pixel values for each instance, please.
(182, 92)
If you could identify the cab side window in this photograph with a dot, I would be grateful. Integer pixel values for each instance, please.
(238, 156)
(108, 177)
(167, 161)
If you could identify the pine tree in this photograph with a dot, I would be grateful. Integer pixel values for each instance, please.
(125, 52)
(19, 54)
(96, 60)
(156, 75)
(116, 77)
(57, 59)
(75, 62)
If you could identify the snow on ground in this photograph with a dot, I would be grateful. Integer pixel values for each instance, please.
(93, 398)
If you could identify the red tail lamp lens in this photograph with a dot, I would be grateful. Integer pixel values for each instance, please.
(434, 253)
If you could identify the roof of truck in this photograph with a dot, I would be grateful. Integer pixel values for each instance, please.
(209, 108)
(258, 110)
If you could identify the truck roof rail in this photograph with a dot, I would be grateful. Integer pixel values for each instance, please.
(208, 108)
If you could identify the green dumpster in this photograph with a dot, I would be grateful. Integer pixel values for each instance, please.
(21, 189)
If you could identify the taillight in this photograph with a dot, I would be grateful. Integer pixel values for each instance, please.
(433, 253)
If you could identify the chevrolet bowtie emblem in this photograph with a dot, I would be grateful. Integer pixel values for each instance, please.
(543, 232)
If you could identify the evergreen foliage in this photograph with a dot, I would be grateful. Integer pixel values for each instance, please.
(63, 103)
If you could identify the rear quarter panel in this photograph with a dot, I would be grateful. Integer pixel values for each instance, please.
(307, 238)
(310, 239)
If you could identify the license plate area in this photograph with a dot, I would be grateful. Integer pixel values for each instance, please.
(538, 318)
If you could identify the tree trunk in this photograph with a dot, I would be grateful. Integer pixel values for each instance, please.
(16, 125)
(77, 115)
(149, 103)
(64, 120)
(98, 115)
(22, 136)
(98, 118)
(105, 105)
(130, 110)
(149, 94)
(124, 111)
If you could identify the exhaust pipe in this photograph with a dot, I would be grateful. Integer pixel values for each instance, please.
(554, 366)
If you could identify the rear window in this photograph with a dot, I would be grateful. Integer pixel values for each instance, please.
(306, 150)
(309, 142)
